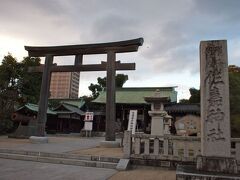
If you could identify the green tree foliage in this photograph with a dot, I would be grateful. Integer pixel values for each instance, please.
(194, 98)
(17, 87)
(8, 91)
(29, 84)
(8, 73)
(120, 80)
(102, 82)
(184, 101)
(234, 91)
(195, 95)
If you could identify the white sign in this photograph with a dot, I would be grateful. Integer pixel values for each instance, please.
(88, 116)
(88, 125)
(132, 121)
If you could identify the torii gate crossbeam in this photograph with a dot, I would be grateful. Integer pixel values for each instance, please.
(79, 50)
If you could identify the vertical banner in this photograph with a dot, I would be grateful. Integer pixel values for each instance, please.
(132, 122)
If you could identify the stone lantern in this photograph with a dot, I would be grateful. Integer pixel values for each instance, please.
(160, 120)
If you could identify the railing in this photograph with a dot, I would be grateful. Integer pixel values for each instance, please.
(167, 147)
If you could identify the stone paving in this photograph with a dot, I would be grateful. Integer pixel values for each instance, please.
(55, 145)
(26, 170)
(145, 173)
(98, 151)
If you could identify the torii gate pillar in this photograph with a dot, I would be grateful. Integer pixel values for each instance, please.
(111, 97)
(79, 50)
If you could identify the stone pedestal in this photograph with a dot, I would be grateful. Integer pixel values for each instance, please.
(160, 118)
(217, 164)
(157, 123)
(109, 144)
(189, 172)
(38, 139)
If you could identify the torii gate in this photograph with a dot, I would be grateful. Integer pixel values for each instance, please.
(79, 50)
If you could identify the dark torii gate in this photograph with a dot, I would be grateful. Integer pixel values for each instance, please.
(79, 50)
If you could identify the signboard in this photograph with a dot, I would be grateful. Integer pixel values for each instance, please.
(132, 121)
(88, 125)
(88, 121)
(88, 116)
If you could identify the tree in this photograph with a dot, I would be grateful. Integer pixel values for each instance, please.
(17, 87)
(194, 98)
(195, 95)
(8, 91)
(8, 73)
(234, 91)
(29, 85)
(102, 82)
(184, 101)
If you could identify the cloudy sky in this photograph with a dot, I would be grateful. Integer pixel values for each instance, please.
(172, 31)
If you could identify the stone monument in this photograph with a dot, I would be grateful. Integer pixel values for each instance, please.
(215, 161)
(214, 99)
(161, 121)
(215, 116)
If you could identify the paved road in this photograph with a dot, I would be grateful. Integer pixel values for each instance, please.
(27, 170)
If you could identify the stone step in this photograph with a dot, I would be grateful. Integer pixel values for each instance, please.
(58, 160)
(61, 155)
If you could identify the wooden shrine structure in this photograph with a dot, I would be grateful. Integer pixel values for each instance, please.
(79, 50)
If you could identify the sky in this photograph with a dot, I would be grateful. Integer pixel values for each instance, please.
(172, 31)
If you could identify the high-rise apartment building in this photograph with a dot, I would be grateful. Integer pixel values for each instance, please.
(64, 85)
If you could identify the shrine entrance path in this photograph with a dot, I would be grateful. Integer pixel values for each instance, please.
(16, 169)
(145, 172)
(55, 145)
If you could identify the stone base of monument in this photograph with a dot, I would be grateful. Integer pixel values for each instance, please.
(109, 144)
(24, 132)
(38, 139)
(217, 164)
(187, 172)
(209, 168)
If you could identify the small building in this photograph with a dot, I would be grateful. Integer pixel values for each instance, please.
(70, 119)
(30, 111)
(67, 117)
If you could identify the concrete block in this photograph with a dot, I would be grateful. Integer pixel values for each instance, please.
(217, 164)
(123, 164)
(38, 140)
(186, 172)
(109, 144)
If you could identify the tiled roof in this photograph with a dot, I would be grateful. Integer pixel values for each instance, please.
(34, 108)
(136, 95)
(68, 109)
(77, 102)
(186, 108)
